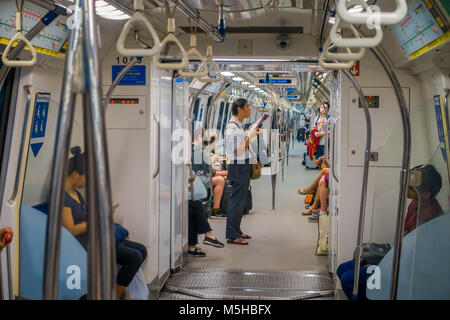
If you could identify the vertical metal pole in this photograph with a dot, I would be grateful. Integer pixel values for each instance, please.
(100, 155)
(406, 125)
(61, 151)
(362, 208)
(94, 271)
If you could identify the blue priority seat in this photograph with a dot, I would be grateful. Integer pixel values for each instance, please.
(424, 264)
(73, 258)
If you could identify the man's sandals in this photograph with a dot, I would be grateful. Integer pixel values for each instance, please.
(239, 241)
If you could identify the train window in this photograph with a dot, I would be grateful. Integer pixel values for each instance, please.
(226, 117)
(219, 120)
(5, 102)
(195, 111)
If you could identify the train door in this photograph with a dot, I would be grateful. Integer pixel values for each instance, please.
(8, 95)
(165, 174)
(178, 213)
(334, 157)
(28, 190)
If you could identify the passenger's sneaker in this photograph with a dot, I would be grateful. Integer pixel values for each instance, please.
(314, 218)
(197, 252)
(218, 215)
(213, 242)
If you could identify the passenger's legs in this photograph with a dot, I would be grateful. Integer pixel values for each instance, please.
(218, 186)
(130, 256)
(323, 195)
(346, 273)
(315, 183)
(192, 223)
(239, 175)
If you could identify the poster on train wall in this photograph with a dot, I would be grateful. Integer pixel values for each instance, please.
(134, 77)
(441, 120)
(39, 122)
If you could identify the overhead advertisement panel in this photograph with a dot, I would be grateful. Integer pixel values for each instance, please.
(422, 30)
(290, 82)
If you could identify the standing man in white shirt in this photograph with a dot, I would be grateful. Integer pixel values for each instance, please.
(237, 144)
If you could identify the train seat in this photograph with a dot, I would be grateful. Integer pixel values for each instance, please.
(424, 263)
(33, 224)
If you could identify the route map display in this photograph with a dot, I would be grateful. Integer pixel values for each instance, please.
(421, 27)
(49, 41)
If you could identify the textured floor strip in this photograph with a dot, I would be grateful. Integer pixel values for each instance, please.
(216, 283)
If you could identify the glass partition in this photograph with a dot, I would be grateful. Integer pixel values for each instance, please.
(426, 248)
(425, 263)
(34, 209)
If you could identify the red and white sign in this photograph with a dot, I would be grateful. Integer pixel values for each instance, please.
(355, 69)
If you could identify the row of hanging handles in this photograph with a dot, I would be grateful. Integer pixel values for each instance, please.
(202, 73)
(371, 16)
(344, 19)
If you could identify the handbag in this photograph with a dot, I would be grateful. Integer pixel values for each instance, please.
(372, 253)
(256, 167)
(120, 233)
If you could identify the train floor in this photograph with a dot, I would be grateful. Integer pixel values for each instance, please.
(282, 248)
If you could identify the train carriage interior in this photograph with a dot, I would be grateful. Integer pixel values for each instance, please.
(110, 101)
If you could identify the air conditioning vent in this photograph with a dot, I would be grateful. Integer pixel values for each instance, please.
(255, 29)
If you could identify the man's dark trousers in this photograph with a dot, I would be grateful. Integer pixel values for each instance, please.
(239, 177)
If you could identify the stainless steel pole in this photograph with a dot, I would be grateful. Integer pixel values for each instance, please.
(406, 125)
(61, 151)
(362, 208)
(96, 118)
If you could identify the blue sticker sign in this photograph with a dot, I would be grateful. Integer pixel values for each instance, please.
(440, 125)
(39, 122)
(40, 115)
(134, 77)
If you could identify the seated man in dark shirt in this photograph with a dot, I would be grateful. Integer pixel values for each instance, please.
(424, 186)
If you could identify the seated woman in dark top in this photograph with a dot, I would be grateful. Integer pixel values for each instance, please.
(130, 255)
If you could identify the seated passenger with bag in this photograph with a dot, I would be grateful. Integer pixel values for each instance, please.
(130, 255)
(201, 161)
(198, 224)
(423, 208)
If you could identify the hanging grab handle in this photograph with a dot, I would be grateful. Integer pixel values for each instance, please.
(335, 65)
(19, 37)
(138, 16)
(369, 16)
(356, 42)
(203, 68)
(349, 56)
(214, 65)
(171, 38)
